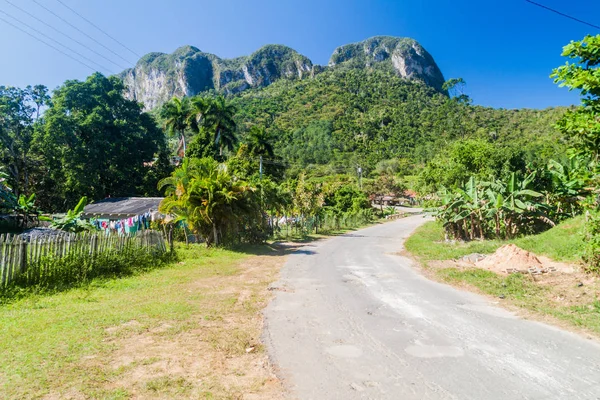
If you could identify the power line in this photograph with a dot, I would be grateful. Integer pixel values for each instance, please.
(47, 44)
(64, 34)
(100, 29)
(563, 14)
(79, 30)
(56, 41)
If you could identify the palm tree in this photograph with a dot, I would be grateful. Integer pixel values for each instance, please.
(219, 118)
(211, 202)
(176, 114)
(259, 142)
(199, 108)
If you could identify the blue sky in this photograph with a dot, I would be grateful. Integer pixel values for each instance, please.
(504, 49)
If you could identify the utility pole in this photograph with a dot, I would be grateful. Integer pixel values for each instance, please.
(359, 170)
(260, 169)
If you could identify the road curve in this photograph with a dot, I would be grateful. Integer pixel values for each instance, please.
(352, 319)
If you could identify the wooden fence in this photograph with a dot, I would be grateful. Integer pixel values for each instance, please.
(21, 256)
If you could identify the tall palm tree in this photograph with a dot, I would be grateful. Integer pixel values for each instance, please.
(175, 114)
(219, 118)
(199, 108)
(259, 142)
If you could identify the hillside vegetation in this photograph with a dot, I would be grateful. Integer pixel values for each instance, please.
(365, 116)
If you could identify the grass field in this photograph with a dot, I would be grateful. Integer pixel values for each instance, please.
(190, 330)
(569, 300)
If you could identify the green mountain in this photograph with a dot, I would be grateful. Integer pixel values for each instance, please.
(359, 116)
(188, 71)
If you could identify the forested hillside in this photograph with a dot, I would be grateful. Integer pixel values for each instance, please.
(361, 117)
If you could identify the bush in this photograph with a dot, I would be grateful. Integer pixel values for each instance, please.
(591, 255)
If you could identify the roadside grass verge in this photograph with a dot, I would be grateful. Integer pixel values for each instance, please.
(563, 243)
(562, 299)
(188, 330)
(299, 237)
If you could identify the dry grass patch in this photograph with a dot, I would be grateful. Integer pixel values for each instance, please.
(189, 331)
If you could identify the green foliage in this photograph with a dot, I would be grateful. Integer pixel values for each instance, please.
(259, 143)
(8, 200)
(472, 157)
(591, 255)
(26, 210)
(347, 117)
(19, 110)
(346, 199)
(72, 221)
(456, 90)
(209, 120)
(93, 142)
(583, 126)
(582, 74)
(311, 145)
(564, 242)
(394, 166)
(212, 202)
(176, 115)
(500, 209)
(59, 273)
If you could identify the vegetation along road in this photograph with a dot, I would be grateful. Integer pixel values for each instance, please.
(353, 319)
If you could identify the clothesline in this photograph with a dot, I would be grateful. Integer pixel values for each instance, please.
(129, 225)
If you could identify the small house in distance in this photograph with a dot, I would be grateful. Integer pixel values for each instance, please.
(125, 215)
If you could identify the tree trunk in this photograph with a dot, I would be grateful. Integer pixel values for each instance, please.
(215, 235)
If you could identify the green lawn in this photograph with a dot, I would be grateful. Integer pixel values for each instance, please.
(561, 243)
(63, 344)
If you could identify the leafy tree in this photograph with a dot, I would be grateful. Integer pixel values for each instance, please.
(583, 74)
(40, 97)
(456, 90)
(481, 158)
(16, 134)
(7, 198)
(384, 185)
(94, 142)
(347, 198)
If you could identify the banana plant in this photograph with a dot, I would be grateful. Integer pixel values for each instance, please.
(72, 221)
(570, 186)
(482, 209)
(26, 210)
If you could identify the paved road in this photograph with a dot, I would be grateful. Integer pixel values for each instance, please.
(354, 320)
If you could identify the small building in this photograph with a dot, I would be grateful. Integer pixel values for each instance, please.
(117, 208)
(124, 215)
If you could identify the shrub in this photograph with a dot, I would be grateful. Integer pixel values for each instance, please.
(591, 255)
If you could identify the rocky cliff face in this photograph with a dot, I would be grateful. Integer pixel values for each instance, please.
(188, 71)
(157, 77)
(404, 56)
